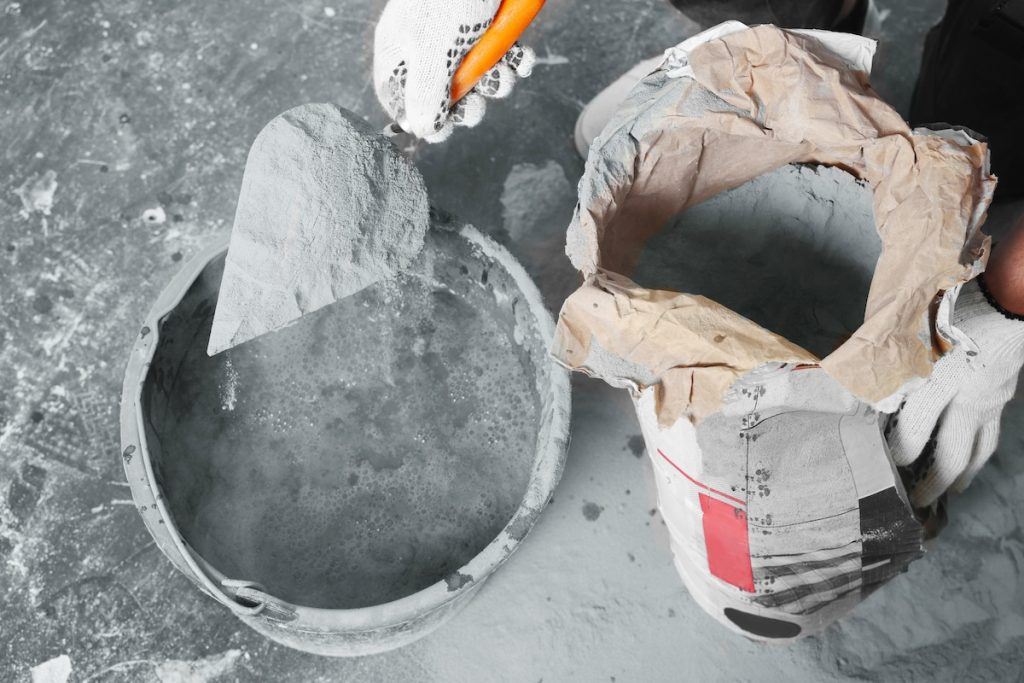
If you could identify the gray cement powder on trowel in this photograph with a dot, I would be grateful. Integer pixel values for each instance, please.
(793, 250)
(327, 207)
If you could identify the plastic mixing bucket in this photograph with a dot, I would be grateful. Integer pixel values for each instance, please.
(346, 484)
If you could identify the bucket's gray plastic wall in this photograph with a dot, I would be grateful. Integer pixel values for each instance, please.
(353, 643)
(377, 628)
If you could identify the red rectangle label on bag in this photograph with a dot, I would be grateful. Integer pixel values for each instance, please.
(726, 542)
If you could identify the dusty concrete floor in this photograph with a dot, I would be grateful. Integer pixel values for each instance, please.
(137, 104)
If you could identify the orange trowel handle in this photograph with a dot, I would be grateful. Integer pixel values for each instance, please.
(511, 19)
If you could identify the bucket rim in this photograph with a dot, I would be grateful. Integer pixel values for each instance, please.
(546, 471)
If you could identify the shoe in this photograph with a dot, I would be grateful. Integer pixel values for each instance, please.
(598, 112)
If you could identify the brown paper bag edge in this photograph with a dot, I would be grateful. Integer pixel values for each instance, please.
(931, 191)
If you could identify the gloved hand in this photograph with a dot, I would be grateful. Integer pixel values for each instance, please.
(962, 400)
(418, 45)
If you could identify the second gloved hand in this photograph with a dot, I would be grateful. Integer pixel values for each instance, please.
(418, 45)
(962, 401)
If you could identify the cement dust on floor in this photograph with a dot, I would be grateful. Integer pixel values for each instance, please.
(128, 135)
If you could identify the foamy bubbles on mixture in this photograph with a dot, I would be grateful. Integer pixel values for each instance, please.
(365, 452)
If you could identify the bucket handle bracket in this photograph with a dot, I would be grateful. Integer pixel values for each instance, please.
(251, 598)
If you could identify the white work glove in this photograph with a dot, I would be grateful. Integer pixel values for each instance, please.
(962, 401)
(418, 45)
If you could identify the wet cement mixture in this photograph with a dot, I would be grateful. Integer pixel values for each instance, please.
(126, 128)
(355, 457)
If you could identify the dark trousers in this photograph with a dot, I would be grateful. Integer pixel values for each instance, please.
(972, 74)
(972, 71)
(785, 13)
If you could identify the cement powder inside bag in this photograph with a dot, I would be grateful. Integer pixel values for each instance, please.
(792, 250)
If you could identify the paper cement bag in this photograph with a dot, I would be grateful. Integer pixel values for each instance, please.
(783, 508)
(773, 476)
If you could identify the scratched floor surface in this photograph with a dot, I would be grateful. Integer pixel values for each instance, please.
(125, 128)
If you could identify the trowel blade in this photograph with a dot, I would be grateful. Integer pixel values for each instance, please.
(327, 207)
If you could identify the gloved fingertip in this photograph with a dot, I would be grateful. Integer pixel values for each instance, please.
(905, 445)
(469, 111)
(902, 458)
(441, 135)
(921, 498)
(527, 60)
(427, 101)
(496, 83)
(916, 422)
(954, 444)
(424, 126)
(985, 444)
(389, 86)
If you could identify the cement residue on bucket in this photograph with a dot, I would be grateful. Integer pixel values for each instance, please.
(374, 447)
(229, 387)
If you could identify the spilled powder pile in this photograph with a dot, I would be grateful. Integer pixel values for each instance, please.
(327, 207)
(793, 250)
